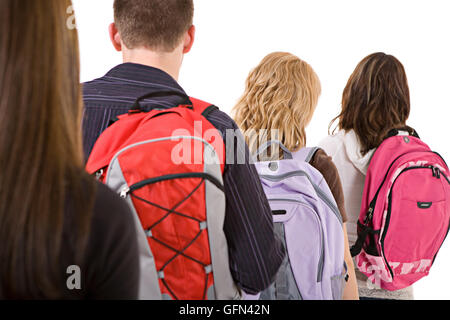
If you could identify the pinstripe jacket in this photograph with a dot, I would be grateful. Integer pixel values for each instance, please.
(255, 251)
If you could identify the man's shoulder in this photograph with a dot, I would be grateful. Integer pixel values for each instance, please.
(91, 86)
(223, 122)
(222, 116)
(220, 119)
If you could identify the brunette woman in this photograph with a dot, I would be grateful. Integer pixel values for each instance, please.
(62, 235)
(375, 101)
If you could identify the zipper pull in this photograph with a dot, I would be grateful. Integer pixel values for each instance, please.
(369, 216)
(124, 192)
(438, 173)
(99, 174)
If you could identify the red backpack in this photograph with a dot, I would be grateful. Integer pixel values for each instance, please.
(405, 212)
(168, 166)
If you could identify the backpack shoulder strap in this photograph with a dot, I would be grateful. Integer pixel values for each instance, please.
(396, 132)
(306, 154)
(202, 107)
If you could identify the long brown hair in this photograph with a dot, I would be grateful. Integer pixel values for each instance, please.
(375, 100)
(40, 147)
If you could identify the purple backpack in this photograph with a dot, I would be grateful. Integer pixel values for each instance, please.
(308, 221)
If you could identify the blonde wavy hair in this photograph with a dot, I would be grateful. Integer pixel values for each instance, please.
(281, 94)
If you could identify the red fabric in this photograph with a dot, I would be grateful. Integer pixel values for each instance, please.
(185, 278)
(117, 137)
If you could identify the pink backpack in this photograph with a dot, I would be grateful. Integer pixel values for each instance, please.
(405, 212)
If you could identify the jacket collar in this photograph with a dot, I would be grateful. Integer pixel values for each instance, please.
(143, 74)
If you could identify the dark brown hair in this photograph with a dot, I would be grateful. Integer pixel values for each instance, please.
(41, 164)
(375, 100)
(154, 24)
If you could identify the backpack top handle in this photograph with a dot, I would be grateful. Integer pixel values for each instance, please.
(287, 154)
(137, 104)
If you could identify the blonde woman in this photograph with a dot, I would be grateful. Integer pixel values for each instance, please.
(281, 96)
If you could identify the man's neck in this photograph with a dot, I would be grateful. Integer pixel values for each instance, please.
(167, 62)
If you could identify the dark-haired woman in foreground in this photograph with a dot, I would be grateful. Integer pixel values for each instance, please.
(375, 101)
(62, 235)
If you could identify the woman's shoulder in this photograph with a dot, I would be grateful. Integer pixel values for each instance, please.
(332, 144)
(113, 253)
(325, 165)
(110, 264)
(110, 209)
(108, 198)
(103, 204)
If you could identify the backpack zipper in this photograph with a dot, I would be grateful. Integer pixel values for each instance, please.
(321, 264)
(322, 195)
(436, 173)
(444, 175)
(436, 153)
(127, 190)
(138, 144)
(372, 204)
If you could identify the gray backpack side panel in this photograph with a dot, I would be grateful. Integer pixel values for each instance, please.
(149, 284)
(224, 285)
(285, 285)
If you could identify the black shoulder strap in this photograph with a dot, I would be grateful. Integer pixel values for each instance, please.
(364, 232)
(112, 121)
(312, 154)
(137, 106)
(395, 132)
(209, 110)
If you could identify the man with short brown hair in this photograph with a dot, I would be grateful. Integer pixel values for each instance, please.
(153, 36)
(156, 25)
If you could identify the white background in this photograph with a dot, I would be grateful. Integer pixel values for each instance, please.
(333, 36)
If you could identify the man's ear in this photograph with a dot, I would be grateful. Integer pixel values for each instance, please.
(115, 37)
(189, 39)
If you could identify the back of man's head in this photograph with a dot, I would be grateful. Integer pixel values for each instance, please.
(158, 25)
